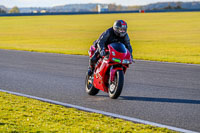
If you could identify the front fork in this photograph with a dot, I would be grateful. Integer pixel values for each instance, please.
(112, 73)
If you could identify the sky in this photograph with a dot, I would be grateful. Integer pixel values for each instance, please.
(50, 3)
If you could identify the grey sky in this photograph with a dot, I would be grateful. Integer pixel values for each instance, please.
(47, 3)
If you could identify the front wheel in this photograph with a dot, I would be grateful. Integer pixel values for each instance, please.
(90, 89)
(115, 87)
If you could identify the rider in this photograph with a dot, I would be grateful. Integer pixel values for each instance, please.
(117, 33)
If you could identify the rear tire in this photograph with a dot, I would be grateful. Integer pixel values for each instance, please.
(115, 87)
(89, 87)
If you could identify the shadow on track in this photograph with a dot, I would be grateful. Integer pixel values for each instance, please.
(167, 100)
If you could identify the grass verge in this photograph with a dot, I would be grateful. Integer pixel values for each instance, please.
(21, 114)
(172, 37)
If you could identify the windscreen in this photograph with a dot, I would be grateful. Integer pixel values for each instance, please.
(119, 47)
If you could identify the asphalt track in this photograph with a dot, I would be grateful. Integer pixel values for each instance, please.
(165, 93)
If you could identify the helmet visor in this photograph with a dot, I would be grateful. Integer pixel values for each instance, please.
(122, 29)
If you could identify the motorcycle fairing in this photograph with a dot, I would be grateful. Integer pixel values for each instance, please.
(100, 77)
(106, 68)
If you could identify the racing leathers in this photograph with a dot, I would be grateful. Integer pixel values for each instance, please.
(100, 44)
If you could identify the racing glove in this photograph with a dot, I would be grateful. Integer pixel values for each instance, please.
(102, 52)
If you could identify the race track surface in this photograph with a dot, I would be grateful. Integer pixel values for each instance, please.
(165, 93)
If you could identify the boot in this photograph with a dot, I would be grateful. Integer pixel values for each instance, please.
(92, 61)
(90, 70)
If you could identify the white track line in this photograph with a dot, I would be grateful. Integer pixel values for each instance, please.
(101, 112)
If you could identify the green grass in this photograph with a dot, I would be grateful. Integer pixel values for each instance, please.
(20, 114)
(173, 37)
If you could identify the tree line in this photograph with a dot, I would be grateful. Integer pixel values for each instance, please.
(15, 9)
(111, 7)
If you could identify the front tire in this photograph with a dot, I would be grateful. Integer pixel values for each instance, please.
(89, 87)
(115, 87)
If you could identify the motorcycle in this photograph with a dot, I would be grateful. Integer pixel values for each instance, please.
(109, 71)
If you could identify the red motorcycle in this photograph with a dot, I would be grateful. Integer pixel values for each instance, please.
(109, 71)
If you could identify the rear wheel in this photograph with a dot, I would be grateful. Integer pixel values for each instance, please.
(90, 89)
(115, 87)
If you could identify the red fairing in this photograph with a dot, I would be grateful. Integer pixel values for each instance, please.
(100, 77)
(106, 68)
(91, 51)
(119, 55)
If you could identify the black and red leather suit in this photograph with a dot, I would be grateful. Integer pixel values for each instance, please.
(106, 38)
